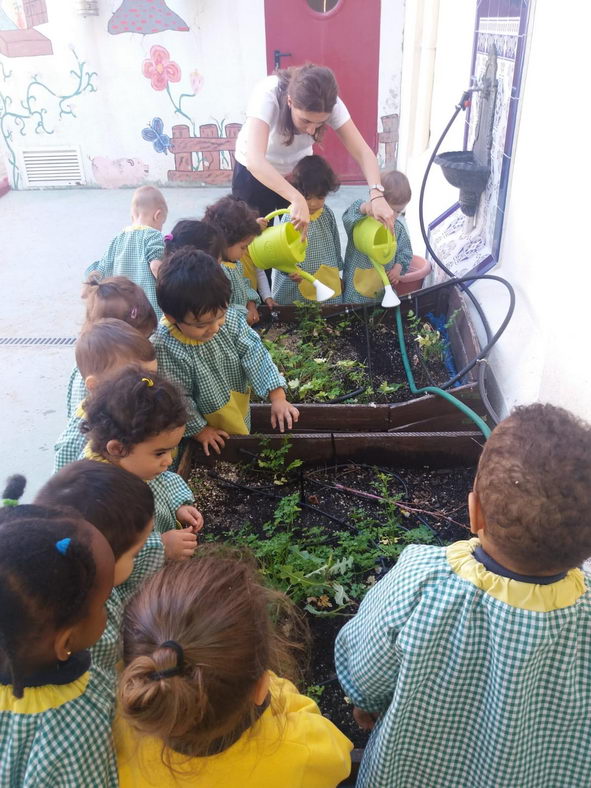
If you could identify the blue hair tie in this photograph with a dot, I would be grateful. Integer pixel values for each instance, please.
(62, 545)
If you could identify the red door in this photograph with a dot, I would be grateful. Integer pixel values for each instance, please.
(345, 36)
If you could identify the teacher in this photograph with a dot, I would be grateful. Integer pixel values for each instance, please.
(287, 113)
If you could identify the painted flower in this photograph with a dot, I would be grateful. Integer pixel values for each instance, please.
(196, 80)
(160, 69)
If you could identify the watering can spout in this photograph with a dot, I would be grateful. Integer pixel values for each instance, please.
(323, 293)
(390, 298)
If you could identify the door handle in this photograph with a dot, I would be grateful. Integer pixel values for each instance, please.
(277, 55)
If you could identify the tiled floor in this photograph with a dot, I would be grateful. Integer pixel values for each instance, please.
(49, 239)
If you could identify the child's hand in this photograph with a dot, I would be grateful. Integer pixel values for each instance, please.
(211, 437)
(262, 222)
(365, 719)
(283, 413)
(155, 267)
(179, 545)
(270, 302)
(295, 277)
(394, 274)
(190, 516)
(253, 313)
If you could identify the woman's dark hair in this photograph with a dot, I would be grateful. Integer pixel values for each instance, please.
(314, 177)
(131, 407)
(192, 283)
(121, 298)
(198, 234)
(233, 219)
(47, 575)
(221, 614)
(312, 88)
(107, 342)
(119, 504)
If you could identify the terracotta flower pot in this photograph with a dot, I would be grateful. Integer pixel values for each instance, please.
(413, 280)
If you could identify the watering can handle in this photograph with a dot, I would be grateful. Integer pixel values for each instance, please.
(273, 214)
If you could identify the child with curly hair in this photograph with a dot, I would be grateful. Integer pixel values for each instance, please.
(488, 640)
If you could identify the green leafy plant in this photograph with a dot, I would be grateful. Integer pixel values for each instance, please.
(314, 691)
(275, 460)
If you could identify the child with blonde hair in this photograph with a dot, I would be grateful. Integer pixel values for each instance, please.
(136, 251)
(135, 420)
(487, 640)
(116, 297)
(202, 698)
(361, 282)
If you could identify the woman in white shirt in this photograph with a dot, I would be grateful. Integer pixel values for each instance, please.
(286, 114)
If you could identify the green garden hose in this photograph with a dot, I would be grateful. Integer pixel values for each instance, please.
(482, 426)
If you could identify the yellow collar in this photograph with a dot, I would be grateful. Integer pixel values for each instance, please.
(317, 214)
(133, 227)
(175, 332)
(80, 413)
(228, 264)
(36, 700)
(89, 454)
(526, 596)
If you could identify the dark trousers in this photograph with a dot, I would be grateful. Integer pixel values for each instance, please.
(246, 187)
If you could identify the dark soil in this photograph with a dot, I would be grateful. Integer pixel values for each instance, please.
(369, 337)
(441, 496)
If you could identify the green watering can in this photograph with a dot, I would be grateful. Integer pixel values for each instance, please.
(377, 242)
(283, 248)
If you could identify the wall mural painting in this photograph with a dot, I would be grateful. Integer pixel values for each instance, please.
(146, 17)
(18, 37)
(114, 173)
(30, 111)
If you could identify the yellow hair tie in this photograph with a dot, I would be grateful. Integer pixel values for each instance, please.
(148, 381)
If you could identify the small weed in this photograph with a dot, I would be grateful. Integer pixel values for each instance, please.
(275, 460)
(314, 691)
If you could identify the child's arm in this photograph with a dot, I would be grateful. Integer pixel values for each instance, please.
(154, 252)
(336, 239)
(354, 213)
(365, 649)
(264, 377)
(263, 288)
(179, 544)
(69, 445)
(177, 369)
(403, 246)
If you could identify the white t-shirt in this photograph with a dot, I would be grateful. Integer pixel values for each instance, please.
(264, 104)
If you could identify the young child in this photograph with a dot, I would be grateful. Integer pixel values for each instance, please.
(314, 178)
(362, 283)
(200, 696)
(212, 354)
(138, 248)
(207, 238)
(121, 506)
(239, 226)
(474, 658)
(56, 573)
(116, 297)
(136, 420)
(102, 348)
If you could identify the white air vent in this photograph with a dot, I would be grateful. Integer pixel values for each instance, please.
(53, 167)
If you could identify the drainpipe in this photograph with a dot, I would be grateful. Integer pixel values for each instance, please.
(427, 52)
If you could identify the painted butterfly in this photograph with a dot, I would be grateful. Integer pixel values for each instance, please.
(154, 133)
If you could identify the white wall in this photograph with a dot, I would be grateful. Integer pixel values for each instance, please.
(544, 354)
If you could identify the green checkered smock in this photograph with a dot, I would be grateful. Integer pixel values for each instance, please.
(217, 373)
(76, 392)
(242, 292)
(130, 254)
(71, 442)
(479, 681)
(60, 736)
(107, 652)
(355, 259)
(324, 248)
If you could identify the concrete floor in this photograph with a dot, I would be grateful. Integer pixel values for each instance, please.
(50, 238)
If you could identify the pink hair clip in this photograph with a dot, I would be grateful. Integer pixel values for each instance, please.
(168, 237)
(133, 313)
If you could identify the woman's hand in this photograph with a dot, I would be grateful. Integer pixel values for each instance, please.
(382, 212)
(300, 215)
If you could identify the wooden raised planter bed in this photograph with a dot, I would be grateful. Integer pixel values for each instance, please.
(437, 467)
(422, 413)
